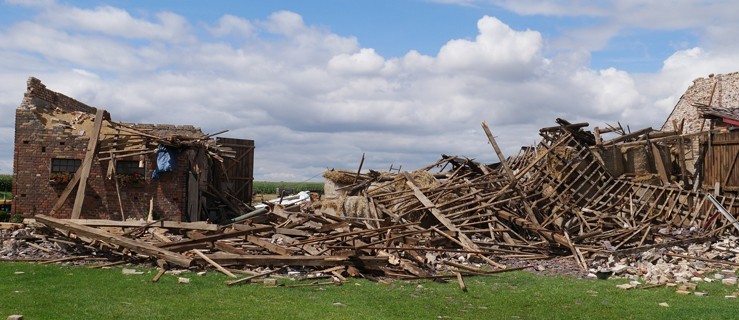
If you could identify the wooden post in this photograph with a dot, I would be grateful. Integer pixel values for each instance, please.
(87, 163)
(681, 159)
(361, 163)
(509, 172)
(114, 175)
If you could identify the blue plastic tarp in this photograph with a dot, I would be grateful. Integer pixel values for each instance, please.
(166, 160)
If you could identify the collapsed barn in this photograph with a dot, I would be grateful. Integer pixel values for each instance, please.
(73, 161)
(591, 196)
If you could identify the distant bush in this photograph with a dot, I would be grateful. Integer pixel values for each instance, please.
(266, 187)
(6, 182)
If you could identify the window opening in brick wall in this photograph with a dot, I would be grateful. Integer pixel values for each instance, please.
(128, 167)
(62, 170)
(129, 173)
(65, 165)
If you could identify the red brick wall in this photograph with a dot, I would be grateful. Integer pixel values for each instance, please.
(36, 145)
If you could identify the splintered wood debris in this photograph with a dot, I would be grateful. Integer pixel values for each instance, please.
(451, 219)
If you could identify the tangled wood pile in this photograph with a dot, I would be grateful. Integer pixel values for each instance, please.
(451, 218)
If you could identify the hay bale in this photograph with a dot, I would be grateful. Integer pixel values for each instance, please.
(331, 190)
(353, 206)
(335, 180)
(422, 178)
(559, 157)
(356, 206)
(648, 179)
(339, 176)
(637, 160)
(332, 206)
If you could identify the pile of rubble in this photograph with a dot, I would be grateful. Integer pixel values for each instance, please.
(455, 217)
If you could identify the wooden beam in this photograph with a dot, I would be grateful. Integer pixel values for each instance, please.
(87, 164)
(157, 224)
(509, 173)
(628, 136)
(133, 245)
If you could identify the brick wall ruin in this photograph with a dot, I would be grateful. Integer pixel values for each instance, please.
(720, 90)
(37, 142)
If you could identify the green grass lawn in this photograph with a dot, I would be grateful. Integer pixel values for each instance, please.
(60, 292)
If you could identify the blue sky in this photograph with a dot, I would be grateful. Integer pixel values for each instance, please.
(318, 83)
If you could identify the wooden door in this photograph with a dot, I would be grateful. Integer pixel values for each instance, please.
(238, 174)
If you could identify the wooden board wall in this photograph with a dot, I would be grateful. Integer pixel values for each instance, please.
(721, 164)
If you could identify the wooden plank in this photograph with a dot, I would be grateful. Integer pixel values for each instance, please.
(87, 164)
(213, 263)
(249, 278)
(10, 226)
(112, 175)
(226, 247)
(159, 224)
(461, 282)
(462, 266)
(159, 275)
(65, 259)
(293, 232)
(97, 234)
(109, 264)
(31, 244)
(271, 247)
(130, 154)
(660, 165)
(366, 262)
